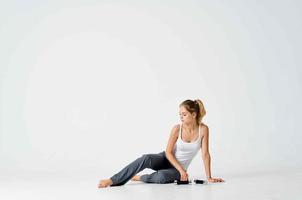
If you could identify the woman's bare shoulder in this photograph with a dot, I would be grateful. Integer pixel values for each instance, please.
(175, 130)
(204, 129)
(203, 125)
(176, 127)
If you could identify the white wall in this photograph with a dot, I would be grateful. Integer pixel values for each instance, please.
(88, 86)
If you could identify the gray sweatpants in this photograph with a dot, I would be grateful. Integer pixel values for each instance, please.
(165, 171)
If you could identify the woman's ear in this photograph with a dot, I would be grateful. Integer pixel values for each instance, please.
(194, 115)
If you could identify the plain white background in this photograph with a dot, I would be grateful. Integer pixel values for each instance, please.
(88, 86)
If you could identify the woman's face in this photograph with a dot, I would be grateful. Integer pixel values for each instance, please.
(185, 115)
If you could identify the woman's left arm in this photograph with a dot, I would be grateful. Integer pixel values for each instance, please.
(206, 157)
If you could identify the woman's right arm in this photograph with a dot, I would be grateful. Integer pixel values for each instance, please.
(170, 154)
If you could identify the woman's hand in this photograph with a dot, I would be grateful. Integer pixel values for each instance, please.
(184, 175)
(215, 180)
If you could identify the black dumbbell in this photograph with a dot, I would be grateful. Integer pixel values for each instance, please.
(179, 182)
(198, 181)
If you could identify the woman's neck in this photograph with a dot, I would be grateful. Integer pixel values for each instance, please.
(191, 126)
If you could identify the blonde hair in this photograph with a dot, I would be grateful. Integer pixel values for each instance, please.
(195, 106)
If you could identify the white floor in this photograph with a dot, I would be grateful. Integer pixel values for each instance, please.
(274, 185)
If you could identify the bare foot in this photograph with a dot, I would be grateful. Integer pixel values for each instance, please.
(104, 183)
(136, 178)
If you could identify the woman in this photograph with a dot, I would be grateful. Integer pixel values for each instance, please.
(184, 142)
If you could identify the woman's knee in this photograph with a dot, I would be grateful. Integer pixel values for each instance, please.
(146, 157)
(165, 178)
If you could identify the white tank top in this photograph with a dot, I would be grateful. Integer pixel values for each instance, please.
(185, 151)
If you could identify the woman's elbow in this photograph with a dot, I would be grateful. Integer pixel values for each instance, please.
(206, 155)
(168, 153)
